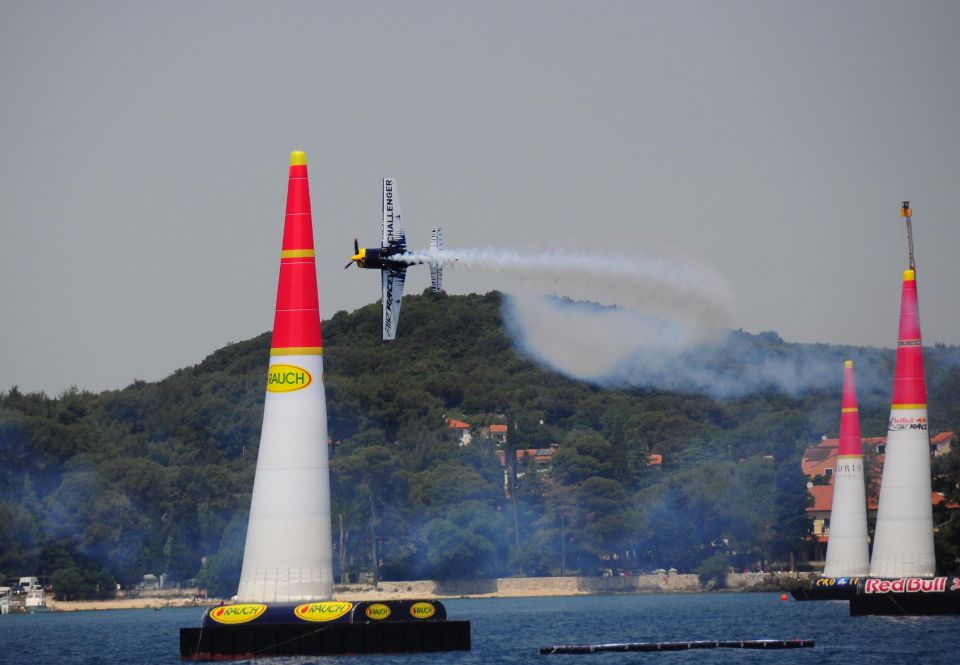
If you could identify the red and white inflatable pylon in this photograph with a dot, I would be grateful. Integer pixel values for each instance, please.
(288, 554)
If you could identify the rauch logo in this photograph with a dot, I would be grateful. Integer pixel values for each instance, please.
(237, 613)
(377, 611)
(422, 610)
(287, 378)
(326, 611)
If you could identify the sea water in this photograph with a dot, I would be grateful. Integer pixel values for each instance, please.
(511, 630)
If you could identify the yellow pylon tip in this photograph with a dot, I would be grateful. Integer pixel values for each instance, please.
(298, 158)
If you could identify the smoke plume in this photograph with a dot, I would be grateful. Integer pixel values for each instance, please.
(661, 323)
(618, 347)
(672, 288)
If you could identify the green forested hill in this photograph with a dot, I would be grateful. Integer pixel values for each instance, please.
(156, 478)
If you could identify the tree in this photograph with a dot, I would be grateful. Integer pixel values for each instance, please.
(789, 523)
(586, 454)
(220, 572)
(603, 519)
(454, 552)
(377, 479)
(20, 534)
(712, 573)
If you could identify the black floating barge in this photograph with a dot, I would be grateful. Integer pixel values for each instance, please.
(906, 596)
(676, 646)
(259, 630)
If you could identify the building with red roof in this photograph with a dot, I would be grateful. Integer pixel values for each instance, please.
(542, 459)
(459, 431)
(940, 444)
(497, 432)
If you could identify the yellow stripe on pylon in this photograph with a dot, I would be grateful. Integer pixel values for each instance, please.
(298, 351)
(297, 253)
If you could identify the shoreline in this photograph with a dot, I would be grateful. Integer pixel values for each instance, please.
(507, 587)
(157, 603)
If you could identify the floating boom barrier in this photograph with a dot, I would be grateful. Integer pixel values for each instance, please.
(676, 646)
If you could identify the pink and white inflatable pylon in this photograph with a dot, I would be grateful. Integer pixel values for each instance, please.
(903, 541)
(848, 552)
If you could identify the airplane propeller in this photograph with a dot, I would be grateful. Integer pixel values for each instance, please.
(356, 250)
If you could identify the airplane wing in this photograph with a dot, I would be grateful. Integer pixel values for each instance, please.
(392, 294)
(392, 226)
(436, 268)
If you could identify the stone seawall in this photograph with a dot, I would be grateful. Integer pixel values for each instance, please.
(664, 583)
(667, 582)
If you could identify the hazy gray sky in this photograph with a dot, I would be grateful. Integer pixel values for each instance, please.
(144, 150)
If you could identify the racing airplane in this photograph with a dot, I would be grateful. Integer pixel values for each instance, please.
(393, 258)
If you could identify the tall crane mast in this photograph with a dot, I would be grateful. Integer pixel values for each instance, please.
(907, 213)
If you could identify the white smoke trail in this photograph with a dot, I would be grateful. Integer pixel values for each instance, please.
(616, 347)
(660, 312)
(663, 326)
(599, 344)
(669, 287)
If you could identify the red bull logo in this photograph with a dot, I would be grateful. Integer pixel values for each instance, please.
(377, 611)
(906, 585)
(422, 610)
(287, 378)
(902, 424)
(237, 613)
(325, 611)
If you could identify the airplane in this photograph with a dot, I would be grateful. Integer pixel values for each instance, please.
(393, 258)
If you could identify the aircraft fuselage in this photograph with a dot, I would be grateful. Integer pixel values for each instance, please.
(384, 258)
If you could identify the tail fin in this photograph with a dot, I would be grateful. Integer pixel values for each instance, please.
(436, 267)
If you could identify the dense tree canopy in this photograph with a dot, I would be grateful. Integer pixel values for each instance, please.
(97, 490)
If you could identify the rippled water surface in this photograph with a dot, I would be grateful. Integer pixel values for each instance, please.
(512, 630)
